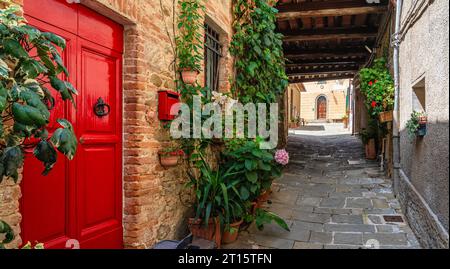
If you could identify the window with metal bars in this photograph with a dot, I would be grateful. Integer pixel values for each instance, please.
(213, 53)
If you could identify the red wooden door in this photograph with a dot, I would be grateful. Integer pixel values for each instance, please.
(80, 199)
(321, 108)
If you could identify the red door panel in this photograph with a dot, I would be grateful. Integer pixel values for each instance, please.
(58, 13)
(45, 203)
(99, 195)
(80, 199)
(111, 34)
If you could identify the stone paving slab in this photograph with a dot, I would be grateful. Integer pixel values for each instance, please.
(331, 198)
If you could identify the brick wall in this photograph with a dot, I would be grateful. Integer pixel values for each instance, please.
(153, 209)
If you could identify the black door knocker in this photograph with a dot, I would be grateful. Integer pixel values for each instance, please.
(101, 108)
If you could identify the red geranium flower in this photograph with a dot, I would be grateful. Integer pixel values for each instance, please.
(370, 83)
(374, 104)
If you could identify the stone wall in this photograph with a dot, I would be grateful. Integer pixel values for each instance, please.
(424, 60)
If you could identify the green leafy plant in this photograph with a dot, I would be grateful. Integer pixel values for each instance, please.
(216, 194)
(256, 166)
(257, 47)
(412, 125)
(371, 132)
(189, 40)
(29, 62)
(378, 87)
(263, 217)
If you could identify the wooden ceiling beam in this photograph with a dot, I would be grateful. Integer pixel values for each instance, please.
(323, 71)
(314, 79)
(327, 34)
(323, 64)
(324, 54)
(329, 8)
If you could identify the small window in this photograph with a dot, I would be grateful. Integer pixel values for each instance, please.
(213, 54)
(418, 96)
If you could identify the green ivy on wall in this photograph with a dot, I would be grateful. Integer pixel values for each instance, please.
(259, 60)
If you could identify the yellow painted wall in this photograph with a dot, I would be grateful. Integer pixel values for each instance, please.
(335, 93)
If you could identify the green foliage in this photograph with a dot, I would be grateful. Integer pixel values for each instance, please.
(8, 233)
(29, 60)
(263, 217)
(256, 165)
(189, 40)
(371, 132)
(412, 125)
(259, 64)
(216, 194)
(378, 87)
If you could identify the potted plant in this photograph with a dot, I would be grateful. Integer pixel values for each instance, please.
(377, 86)
(170, 156)
(417, 124)
(231, 228)
(214, 201)
(368, 137)
(189, 41)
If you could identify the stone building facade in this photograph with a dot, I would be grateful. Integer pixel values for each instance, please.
(424, 75)
(335, 94)
(155, 202)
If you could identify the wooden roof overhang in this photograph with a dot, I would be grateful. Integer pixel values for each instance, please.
(328, 39)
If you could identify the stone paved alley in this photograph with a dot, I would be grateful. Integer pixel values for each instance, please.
(331, 197)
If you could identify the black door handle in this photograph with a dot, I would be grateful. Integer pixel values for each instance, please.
(101, 109)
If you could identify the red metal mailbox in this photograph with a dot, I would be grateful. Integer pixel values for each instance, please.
(166, 99)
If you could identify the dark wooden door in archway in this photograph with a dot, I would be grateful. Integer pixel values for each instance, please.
(322, 108)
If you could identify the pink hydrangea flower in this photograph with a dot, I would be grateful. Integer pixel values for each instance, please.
(282, 157)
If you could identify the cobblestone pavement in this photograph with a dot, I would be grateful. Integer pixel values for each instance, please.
(332, 198)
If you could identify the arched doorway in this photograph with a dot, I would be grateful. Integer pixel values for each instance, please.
(322, 108)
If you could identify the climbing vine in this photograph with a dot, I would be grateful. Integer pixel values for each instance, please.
(29, 63)
(189, 39)
(259, 60)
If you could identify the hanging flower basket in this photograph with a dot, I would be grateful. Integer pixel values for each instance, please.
(189, 76)
(386, 116)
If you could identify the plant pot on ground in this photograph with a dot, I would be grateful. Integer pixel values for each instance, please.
(215, 199)
(371, 151)
(231, 233)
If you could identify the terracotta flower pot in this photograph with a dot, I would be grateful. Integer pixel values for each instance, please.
(210, 232)
(168, 160)
(423, 120)
(232, 235)
(371, 152)
(189, 76)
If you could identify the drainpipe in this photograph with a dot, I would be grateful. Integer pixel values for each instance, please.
(396, 123)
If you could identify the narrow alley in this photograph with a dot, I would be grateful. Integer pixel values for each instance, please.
(332, 198)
